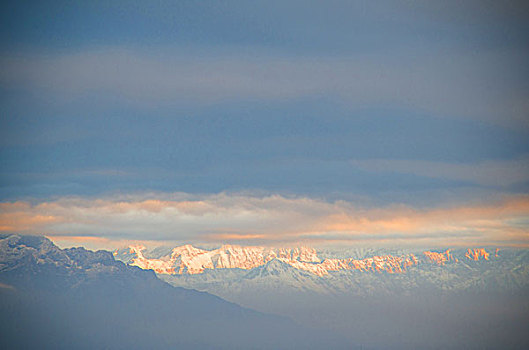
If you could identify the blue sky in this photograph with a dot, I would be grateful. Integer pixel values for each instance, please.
(376, 104)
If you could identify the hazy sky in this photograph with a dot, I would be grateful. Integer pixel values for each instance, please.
(394, 122)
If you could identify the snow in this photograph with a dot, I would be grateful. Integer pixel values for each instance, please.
(187, 259)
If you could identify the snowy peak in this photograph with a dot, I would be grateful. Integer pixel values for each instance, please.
(479, 253)
(387, 263)
(274, 267)
(440, 258)
(190, 260)
(187, 259)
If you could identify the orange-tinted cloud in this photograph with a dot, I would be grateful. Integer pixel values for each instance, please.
(269, 219)
(20, 217)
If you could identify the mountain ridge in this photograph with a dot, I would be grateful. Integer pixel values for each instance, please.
(187, 259)
(52, 298)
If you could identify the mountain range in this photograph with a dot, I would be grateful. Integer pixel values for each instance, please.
(187, 259)
(52, 298)
(473, 298)
(302, 268)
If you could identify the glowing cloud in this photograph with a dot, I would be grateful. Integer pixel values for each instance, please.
(265, 220)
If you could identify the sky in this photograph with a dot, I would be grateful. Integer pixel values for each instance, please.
(266, 122)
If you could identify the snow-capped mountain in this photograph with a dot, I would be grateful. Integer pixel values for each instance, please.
(52, 298)
(374, 297)
(238, 273)
(188, 260)
(380, 298)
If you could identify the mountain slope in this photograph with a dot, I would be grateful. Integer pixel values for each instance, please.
(448, 299)
(52, 298)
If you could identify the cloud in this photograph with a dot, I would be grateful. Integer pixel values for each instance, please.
(459, 84)
(272, 219)
(499, 173)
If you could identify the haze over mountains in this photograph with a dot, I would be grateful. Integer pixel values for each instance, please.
(52, 298)
(476, 298)
(55, 298)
